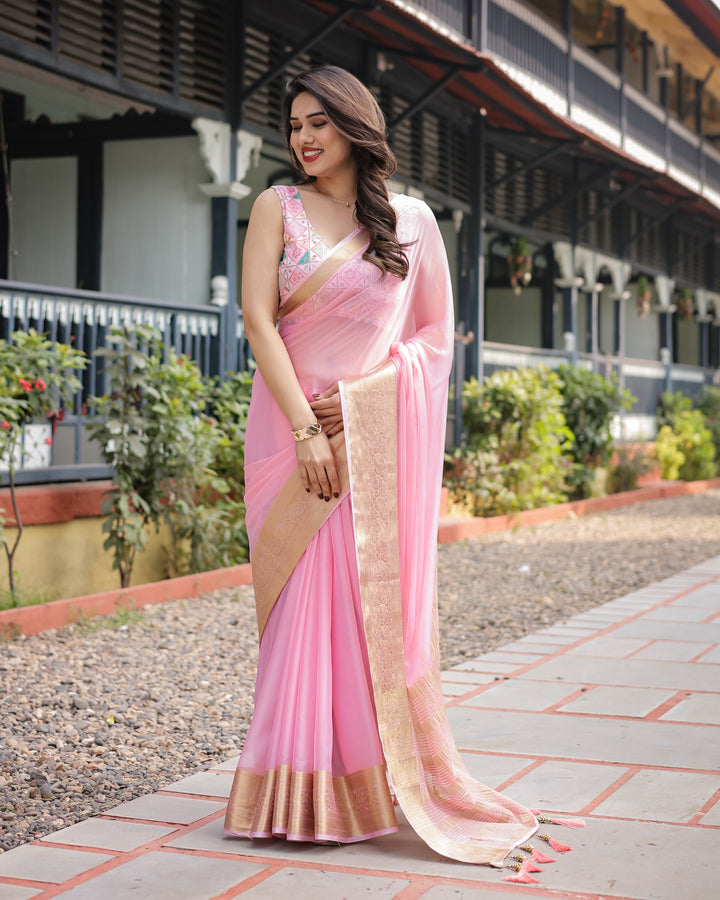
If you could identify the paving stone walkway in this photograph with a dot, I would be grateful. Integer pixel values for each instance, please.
(613, 716)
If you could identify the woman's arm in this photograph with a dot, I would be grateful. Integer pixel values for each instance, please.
(261, 255)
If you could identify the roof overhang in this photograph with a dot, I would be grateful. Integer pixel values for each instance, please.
(395, 26)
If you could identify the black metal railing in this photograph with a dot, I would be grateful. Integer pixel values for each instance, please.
(85, 319)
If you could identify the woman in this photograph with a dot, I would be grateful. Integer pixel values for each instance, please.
(343, 467)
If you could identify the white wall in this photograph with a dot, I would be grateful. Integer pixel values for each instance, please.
(44, 195)
(642, 335)
(156, 223)
(513, 318)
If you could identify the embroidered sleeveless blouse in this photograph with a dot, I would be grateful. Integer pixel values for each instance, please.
(303, 248)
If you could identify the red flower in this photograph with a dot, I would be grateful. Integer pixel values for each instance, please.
(5, 425)
(25, 384)
(48, 440)
(40, 385)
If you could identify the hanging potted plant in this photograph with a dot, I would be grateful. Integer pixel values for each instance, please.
(644, 293)
(519, 264)
(685, 304)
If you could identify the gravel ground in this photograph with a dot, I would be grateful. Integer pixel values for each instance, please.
(104, 711)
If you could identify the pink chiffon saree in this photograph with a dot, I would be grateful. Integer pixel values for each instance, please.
(348, 687)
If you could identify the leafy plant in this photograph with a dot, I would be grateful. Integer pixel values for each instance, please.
(517, 415)
(37, 381)
(671, 406)
(644, 294)
(709, 405)
(589, 403)
(685, 449)
(476, 480)
(173, 461)
(126, 444)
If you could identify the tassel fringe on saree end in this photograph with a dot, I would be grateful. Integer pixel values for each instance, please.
(525, 866)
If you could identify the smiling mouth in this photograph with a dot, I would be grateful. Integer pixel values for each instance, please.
(310, 155)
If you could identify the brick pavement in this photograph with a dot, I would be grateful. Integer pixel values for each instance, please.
(613, 716)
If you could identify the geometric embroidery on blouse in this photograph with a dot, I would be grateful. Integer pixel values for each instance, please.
(366, 292)
(303, 248)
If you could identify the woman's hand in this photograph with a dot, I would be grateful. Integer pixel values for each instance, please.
(328, 410)
(316, 465)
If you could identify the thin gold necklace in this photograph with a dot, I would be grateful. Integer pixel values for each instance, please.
(334, 199)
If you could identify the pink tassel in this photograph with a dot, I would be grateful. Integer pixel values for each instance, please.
(523, 873)
(521, 878)
(556, 845)
(551, 820)
(528, 866)
(539, 856)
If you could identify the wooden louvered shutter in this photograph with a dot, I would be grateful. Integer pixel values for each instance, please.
(27, 21)
(147, 51)
(201, 32)
(87, 33)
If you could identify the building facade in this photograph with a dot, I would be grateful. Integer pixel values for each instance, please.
(567, 147)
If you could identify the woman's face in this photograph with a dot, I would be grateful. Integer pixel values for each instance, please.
(318, 145)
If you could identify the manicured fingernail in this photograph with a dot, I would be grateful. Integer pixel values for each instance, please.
(336, 495)
(326, 499)
(316, 396)
(320, 496)
(308, 490)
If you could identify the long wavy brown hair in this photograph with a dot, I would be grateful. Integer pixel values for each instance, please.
(355, 113)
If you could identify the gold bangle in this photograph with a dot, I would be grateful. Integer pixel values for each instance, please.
(302, 434)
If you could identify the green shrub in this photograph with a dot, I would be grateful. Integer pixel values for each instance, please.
(685, 449)
(516, 416)
(589, 403)
(172, 461)
(670, 407)
(709, 405)
(476, 481)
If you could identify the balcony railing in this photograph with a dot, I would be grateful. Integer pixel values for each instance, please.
(573, 82)
(84, 319)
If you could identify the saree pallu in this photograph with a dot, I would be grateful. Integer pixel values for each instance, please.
(348, 683)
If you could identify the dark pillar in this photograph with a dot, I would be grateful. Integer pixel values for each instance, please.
(703, 347)
(589, 322)
(644, 47)
(224, 262)
(471, 295)
(89, 217)
(547, 301)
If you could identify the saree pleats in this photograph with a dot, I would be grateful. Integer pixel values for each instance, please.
(312, 767)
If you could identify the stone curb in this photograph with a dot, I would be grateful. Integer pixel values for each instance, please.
(34, 619)
(29, 620)
(457, 529)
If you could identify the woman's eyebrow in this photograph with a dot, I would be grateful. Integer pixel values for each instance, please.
(308, 116)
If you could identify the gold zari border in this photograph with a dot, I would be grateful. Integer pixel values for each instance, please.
(292, 521)
(310, 805)
(451, 812)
